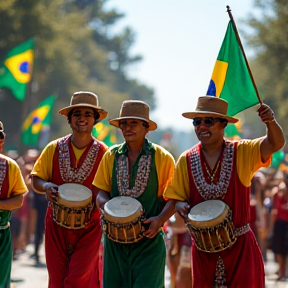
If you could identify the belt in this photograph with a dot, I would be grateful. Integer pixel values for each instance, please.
(242, 230)
(5, 226)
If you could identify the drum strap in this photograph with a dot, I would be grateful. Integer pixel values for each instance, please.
(242, 230)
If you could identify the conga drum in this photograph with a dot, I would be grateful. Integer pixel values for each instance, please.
(211, 226)
(73, 206)
(121, 221)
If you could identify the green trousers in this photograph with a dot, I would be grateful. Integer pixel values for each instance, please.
(137, 265)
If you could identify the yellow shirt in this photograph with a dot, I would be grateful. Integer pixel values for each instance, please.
(17, 184)
(247, 163)
(45, 160)
(164, 162)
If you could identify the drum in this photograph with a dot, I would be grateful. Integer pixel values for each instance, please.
(211, 226)
(73, 207)
(121, 221)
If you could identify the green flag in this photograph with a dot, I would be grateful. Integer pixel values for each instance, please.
(230, 79)
(103, 131)
(37, 121)
(16, 71)
(233, 131)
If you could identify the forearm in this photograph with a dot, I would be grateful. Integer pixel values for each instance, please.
(38, 185)
(12, 203)
(168, 211)
(102, 198)
(275, 135)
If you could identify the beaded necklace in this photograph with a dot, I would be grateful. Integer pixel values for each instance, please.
(142, 177)
(2, 172)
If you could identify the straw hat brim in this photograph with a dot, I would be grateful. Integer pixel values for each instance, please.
(192, 115)
(102, 113)
(152, 124)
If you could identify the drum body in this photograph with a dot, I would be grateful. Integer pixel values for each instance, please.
(73, 207)
(121, 221)
(211, 226)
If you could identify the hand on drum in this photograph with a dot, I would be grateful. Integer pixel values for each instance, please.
(51, 192)
(153, 228)
(183, 209)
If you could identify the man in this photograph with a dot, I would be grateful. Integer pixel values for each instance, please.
(139, 169)
(219, 169)
(72, 254)
(12, 191)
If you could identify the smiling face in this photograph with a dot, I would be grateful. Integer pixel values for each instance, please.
(209, 130)
(82, 120)
(133, 130)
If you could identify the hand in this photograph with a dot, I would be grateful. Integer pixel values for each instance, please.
(266, 113)
(51, 192)
(155, 224)
(182, 208)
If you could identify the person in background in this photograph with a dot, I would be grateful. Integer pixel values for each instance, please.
(72, 254)
(12, 192)
(280, 227)
(219, 169)
(139, 169)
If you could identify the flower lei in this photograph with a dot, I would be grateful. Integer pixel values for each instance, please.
(142, 177)
(218, 190)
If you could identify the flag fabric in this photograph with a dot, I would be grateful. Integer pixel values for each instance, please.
(16, 71)
(233, 131)
(38, 120)
(230, 79)
(103, 131)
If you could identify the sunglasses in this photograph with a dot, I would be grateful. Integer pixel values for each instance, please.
(207, 121)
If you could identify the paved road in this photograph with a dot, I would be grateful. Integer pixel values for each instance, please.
(26, 275)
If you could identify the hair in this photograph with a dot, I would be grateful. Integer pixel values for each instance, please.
(145, 124)
(96, 115)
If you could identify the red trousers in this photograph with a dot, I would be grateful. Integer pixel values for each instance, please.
(72, 256)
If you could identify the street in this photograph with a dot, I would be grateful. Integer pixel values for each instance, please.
(26, 275)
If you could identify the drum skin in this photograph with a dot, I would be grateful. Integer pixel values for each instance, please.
(211, 226)
(121, 221)
(73, 207)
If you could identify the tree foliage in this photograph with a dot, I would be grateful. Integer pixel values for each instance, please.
(270, 43)
(75, 50)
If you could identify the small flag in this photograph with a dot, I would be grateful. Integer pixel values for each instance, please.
(104, 132)
(231, 80)
(37, 121)
(16, 71)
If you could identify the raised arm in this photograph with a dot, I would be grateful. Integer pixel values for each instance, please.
(274, 139)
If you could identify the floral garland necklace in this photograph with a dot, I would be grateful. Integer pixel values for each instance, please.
(142, 176)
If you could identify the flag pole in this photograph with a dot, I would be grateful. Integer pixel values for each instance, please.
(242, 49)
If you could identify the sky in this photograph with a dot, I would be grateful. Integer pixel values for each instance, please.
(179, 41)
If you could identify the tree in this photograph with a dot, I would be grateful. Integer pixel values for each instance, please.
(270, 43)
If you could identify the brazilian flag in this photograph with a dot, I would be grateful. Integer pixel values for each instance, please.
(37, 121)
(230, 79)
(104, 132)
(16, 71)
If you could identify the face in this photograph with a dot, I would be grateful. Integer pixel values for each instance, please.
(2, 140)
(82, 120)
(133, 130)
(209, 130)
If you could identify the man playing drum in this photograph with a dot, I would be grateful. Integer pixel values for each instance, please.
(12, 191)
(71, 247)
(220, 170)
(141, 170)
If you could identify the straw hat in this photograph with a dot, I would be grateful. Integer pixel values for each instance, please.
(210, 106)
(84, 99)
(134, 109)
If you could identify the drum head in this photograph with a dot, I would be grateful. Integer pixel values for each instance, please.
(122, 209)
(207, 211)
(72, 194)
